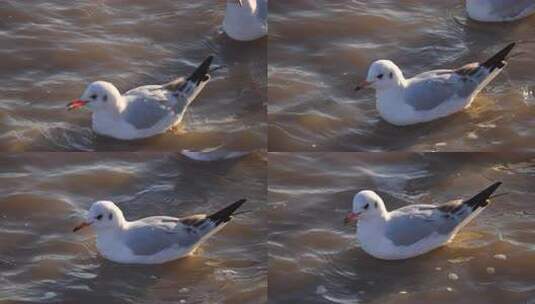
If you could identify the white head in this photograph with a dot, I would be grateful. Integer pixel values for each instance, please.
(103, 215)
(99, 96)
(366, 205)
(383, 74)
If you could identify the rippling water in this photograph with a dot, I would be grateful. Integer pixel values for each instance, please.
(314, 258)
(320, 49)
(52, 49)
(317, 52)
(43, 195)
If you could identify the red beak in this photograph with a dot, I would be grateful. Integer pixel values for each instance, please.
(363, 85)
(82, 225)
(75, 104)
(351, 218)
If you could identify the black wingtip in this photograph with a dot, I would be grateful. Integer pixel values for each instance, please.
(481, 199)
(224, 215)
(498, 60)
(202, 71)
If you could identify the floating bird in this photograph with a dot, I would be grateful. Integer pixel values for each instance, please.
(246, 20)
(151, 240)
(429, 95)
(411, 230)
(499, 10)
(144, 111)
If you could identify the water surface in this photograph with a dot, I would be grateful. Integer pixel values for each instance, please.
(320, 49)
(44, 195)
(51, 50)
(314, 258)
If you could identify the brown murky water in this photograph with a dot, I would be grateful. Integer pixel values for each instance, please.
(314, 258)
(320, 49)
(52, 49)
(44, 194)
(299, 248)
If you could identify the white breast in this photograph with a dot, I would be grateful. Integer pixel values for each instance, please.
(394, 110)
(116, 127)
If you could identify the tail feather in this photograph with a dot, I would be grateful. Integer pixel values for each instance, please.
(224, 215)
(498, 61)
(201, 73)
(481, 199)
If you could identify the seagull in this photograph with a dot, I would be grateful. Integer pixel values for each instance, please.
(429, 95)
(246, 20)
(144, 111)
(411, 230)
(499, 10)
(151, 240)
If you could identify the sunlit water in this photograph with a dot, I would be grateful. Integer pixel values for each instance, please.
(43, 195)
(52, 49)
(314, 258)
(320, 49)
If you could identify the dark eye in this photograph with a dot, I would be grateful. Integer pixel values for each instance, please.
(375, 205)
(110, 216)
(380, 76)
(366, 206)
(99, 217)
(391, 75)
(105, 98)
(94, 96)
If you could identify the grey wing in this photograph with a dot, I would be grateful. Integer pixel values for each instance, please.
(152, 235)
(174, 85)
(429, 90)
(410, 224)
(144, 112)
(262, 10)
(196, 226)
